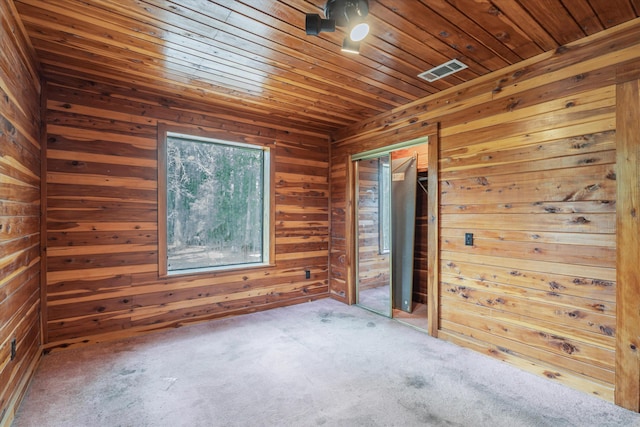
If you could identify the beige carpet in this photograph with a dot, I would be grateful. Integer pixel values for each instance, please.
(321, 363)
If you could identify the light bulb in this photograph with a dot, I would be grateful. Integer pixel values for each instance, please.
(359, 32)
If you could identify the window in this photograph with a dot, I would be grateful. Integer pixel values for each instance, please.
(384, 204)
(216, 204)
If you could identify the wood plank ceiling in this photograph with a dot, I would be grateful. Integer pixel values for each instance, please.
(252, 58)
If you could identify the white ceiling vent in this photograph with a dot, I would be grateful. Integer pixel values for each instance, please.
(444, 70)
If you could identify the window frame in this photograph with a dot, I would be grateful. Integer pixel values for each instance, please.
(214, 136)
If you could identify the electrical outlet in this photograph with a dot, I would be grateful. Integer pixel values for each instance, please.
(307, 274)
(13, 348)
(468, 239)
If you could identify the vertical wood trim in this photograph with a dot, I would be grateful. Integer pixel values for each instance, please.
(350, 231)
(627, 378)
(44, 329)
(433, 236)
(329, 220)
(628, 71)
(162, 200)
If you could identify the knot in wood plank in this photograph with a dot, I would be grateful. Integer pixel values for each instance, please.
(580, 220)
(607, 330)
(551, 375)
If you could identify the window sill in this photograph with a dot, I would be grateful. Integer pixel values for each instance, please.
(214, 271)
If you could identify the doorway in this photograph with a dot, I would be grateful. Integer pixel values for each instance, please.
(391, 231)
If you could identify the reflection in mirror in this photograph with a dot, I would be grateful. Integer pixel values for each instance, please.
(373, 240)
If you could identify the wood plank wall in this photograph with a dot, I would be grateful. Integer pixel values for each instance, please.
(102, 222)
(20, 154)
(527, 161)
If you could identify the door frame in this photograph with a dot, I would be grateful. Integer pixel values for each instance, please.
(433, 281)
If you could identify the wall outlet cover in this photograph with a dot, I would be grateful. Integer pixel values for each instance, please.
(468, 239)
(13, 348)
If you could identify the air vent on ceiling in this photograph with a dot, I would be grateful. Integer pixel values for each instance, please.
(444, 70)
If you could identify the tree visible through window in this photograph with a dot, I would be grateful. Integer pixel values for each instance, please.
(217, 203)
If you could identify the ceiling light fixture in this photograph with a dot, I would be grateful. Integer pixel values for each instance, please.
(349, 46)
(342, 13)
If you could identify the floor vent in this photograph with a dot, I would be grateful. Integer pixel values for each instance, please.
(444, 70)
